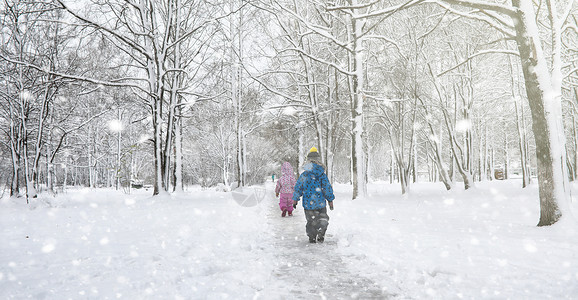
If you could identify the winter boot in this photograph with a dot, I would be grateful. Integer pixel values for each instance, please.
(284, 213)
(312, 240)
(320, 239)
(290, 213)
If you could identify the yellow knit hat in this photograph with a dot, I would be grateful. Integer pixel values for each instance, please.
(313, 154)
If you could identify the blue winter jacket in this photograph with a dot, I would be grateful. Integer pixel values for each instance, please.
(314, 186)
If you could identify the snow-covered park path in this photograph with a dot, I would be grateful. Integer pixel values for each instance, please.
(208, 244)
(202, 244)
(313, 271)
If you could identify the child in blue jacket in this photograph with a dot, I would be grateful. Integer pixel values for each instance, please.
(313, 185)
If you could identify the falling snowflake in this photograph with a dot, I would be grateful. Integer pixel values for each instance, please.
(115, 126)
(289, 111)
(530, 246)
(26, 96)
(463, 125)
(48, 248)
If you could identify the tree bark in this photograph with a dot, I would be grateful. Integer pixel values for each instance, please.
(546, 108)
(357, 157)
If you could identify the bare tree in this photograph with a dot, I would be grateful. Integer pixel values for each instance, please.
(28, 93)
(165, 41)
(543, 88)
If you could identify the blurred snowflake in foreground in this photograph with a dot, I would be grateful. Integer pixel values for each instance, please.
(248, 197)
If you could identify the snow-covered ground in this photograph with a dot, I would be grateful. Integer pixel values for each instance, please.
(205, 244)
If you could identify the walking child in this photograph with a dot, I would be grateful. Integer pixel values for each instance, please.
(285, 187)
(313, 185)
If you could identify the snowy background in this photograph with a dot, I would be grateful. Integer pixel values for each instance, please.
(202, 244)
(197, 97)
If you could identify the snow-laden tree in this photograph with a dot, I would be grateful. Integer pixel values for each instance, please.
(27, 94)
(310, 93)
(543, 82)
(347, 26)
(166, 43)
(569, 36)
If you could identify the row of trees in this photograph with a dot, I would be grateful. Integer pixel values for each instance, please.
(436, 79)
(208, 91)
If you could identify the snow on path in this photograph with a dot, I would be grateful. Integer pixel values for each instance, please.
(312, 271)
(204, 244)
(482, 243)
(102, 244)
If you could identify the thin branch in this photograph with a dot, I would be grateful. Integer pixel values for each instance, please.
(490, 51)
(484, 5)
(114, 83)
(320, 30)
(121, 37)
(320, 60)
(66, 132)
(488, 20)
(351, 7)
(435, 26)
(200, 98)
(387, 13)
(386, 39)
(390, 10)
(570, 72)
(566, 14)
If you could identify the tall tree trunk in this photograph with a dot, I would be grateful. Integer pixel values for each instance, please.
(574, 158)
(521, 144)
(157, 120)
(50, 175)
(300, 142)
(15, 182)
(435, 141)
(236, 55)
(169, 141)
(177, 83)
(14, 151)
(506, 155)
(357, 157)
(178, 169)
(459, 161)
(391, 167)
(545, 105)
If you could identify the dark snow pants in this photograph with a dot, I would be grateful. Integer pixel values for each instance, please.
(317, 221)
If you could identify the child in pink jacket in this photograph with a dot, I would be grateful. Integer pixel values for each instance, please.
(285, 187)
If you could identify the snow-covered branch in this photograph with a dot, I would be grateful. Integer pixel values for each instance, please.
(200, 98)
(270, 89)
(289, 72)
(65, 132)
(353, 6)
(390, 10)
(187, 34)
(308, 106)
(507, 22)
(319, 60)
(318, 29)
(566, 14)
(134, 45)
(570, 26)
(490, 51)
(502, 26)
(483, 5)
(115, 82)
(386, 39)
(570, 72)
